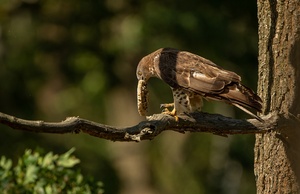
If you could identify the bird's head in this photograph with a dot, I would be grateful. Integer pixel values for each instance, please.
(146, 66)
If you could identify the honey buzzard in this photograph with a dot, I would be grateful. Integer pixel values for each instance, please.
(192, 78)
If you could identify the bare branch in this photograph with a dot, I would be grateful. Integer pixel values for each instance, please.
(153, 126)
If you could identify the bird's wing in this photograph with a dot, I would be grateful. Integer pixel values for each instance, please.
(188, 70)
(199, 75)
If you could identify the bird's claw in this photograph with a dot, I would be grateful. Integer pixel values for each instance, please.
(171, 113)
(166, 105)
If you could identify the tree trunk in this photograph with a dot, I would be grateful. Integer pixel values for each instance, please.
(277, 153)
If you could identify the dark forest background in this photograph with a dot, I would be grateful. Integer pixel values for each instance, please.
(78, 58)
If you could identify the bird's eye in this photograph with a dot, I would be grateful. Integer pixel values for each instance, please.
(139, 73)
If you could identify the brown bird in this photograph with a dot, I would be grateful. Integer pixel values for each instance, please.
(191, 78)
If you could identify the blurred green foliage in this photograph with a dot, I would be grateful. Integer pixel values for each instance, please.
(78, 58)
(49, 173)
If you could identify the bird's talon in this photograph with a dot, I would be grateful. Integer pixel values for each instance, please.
(176, 118)
(166, 111)
(167, 105)
(171, 113)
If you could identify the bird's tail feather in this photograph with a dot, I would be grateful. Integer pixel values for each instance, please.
(243, 98)
(248, 112)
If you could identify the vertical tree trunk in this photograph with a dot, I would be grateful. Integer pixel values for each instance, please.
(277, 153)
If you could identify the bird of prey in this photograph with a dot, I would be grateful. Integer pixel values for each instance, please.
(192, 78)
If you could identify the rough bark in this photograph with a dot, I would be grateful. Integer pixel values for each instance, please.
(146, 130)
(277, 153)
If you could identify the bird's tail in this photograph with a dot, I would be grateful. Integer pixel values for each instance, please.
(248, 112)
(243, 98)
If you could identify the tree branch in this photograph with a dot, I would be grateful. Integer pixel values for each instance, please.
(147, 130)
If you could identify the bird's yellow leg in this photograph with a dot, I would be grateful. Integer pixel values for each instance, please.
(173, 113)
(167, 111)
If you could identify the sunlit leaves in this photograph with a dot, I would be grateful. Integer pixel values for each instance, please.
(50, 173)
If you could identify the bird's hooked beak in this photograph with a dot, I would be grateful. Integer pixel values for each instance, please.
(139, 75)
(145, 68)
(143, 74)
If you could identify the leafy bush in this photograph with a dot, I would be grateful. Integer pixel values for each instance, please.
(51, 173)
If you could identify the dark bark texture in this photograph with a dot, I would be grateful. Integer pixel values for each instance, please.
(147, 130)
(277, 153)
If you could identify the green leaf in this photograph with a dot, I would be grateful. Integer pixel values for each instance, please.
(5, 166)
(5, 163)
(48, 161)
(66, 160)
(31, 174)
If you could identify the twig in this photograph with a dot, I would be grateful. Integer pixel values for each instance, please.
(149, 129)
